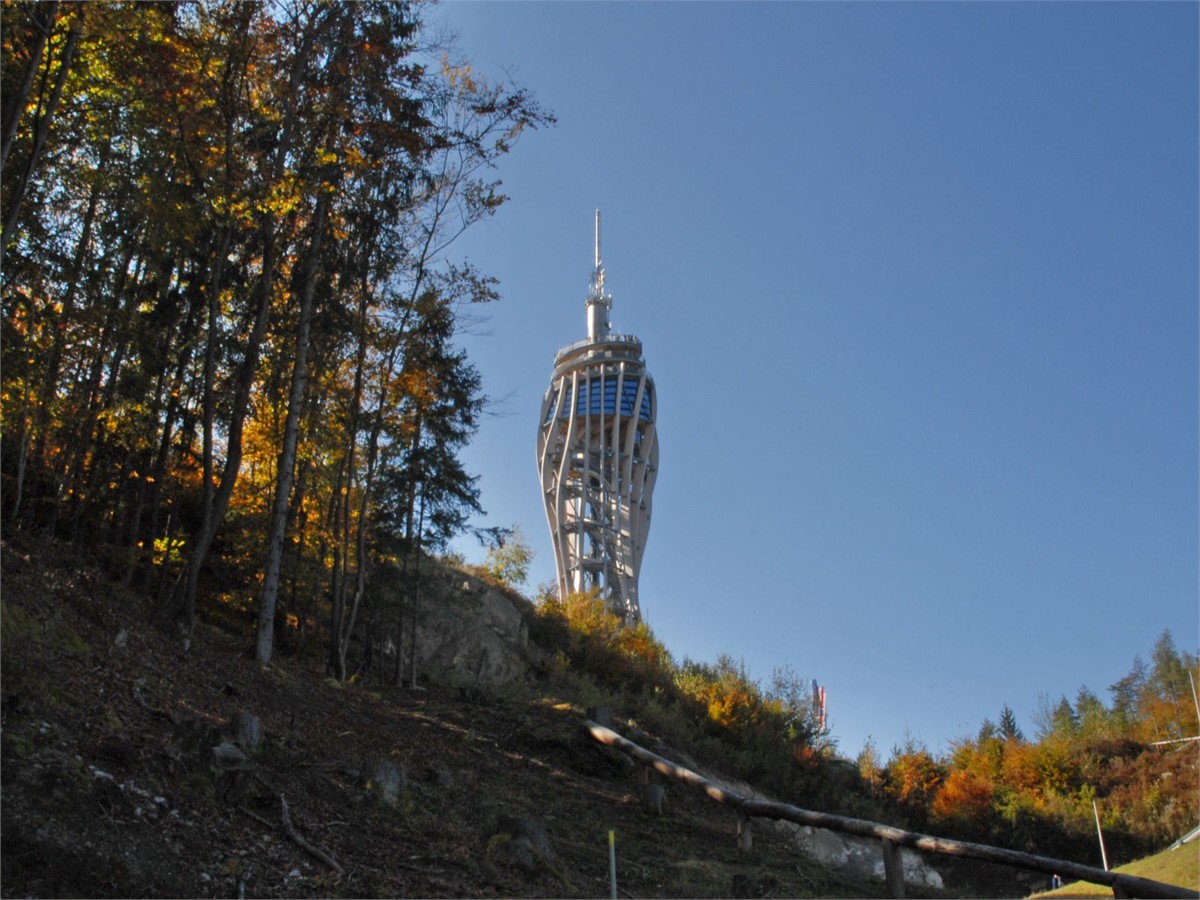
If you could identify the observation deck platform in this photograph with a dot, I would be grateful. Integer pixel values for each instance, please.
(611, 346)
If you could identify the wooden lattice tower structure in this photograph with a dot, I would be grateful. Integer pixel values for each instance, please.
(597, 456)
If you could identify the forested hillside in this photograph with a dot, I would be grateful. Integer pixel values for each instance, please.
(1135, 757)
(228, 308)
(1131, 756)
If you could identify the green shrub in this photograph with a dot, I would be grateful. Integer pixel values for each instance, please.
(715, 712)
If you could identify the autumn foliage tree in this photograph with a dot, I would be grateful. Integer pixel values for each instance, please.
(1134, 757)
(228, 306)
(765, 732)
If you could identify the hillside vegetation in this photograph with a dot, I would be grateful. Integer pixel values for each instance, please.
(113, 786)
(124, 774)
(1130, 757)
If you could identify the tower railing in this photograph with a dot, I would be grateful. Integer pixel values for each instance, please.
(595, 342)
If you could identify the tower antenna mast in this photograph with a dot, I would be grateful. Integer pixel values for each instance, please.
(598, 302)
(598, 270)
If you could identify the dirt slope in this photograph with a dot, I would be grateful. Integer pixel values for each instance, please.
(112, 786)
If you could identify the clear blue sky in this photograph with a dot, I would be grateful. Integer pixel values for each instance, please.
(918, 285)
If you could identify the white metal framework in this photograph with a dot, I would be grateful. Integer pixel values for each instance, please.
(598, 457)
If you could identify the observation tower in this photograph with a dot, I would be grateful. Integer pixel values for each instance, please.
(598, 457)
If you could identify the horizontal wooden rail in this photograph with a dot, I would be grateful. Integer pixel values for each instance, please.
(1122, 885)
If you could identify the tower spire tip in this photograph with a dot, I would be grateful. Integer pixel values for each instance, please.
(598, 239)
(598, 301)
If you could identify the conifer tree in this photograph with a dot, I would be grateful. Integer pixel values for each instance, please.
(1009, 729)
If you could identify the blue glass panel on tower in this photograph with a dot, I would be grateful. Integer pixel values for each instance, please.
(597, 460)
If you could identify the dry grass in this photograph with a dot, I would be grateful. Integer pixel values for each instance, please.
(1180, 867)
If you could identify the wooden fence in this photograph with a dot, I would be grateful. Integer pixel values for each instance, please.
(892, 838)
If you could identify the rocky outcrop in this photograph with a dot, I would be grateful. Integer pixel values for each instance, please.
(473, 636)
(858, 858)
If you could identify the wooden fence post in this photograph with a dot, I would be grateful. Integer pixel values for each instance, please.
(745, 834)
(893, 869)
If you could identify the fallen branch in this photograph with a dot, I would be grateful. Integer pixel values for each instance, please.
(148, 707)
(256, 817)
(1175, 741)
(300, 842)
